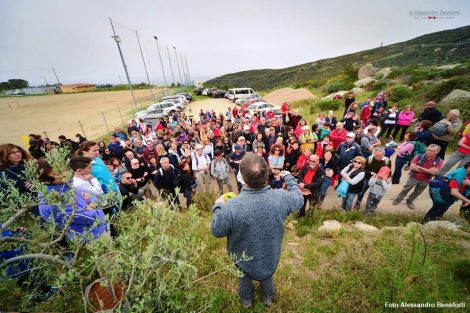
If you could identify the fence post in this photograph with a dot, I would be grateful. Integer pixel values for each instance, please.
(120, 114)
(106, 123)
(83, 131)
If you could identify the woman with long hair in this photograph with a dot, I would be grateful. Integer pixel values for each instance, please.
(353, 174)
(12, 165)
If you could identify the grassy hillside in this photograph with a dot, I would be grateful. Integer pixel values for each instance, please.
(445, 47)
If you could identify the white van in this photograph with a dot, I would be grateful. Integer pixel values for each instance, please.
(237, 93)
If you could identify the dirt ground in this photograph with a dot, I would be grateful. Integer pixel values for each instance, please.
(60, 114)
(288, 95)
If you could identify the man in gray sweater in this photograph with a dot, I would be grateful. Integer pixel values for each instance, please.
(254, 224)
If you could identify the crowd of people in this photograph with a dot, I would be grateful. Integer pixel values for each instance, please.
(181, 153)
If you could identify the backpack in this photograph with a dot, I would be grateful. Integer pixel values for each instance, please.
(439, 129)
(439, 190)
(419, 148)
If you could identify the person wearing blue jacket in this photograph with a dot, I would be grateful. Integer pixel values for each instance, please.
(88, 221)
(253, 222)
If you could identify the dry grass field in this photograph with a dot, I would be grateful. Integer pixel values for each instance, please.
(60, 114)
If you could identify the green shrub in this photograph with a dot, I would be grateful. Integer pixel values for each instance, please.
(438, 91)
(400, 92)
(326, 105)
(204, 201)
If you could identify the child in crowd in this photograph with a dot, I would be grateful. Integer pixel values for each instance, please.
(277, 182)
(390, 146)
(379, 184)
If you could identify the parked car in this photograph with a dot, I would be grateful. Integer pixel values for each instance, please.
(167, 108)
(179, 103)
(245, 102)
(261, 107)
(219, 93)
(205, 91)
(151, 118)
(180, 97)
(198, 91)
(237, 93)
(187, 95)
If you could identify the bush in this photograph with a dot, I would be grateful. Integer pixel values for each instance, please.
(400, 92)
(326, 105)
(204, 201)
(438, 91)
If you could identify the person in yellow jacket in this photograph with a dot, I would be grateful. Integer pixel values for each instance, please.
(307, 139)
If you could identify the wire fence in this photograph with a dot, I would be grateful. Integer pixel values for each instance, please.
(99, 122)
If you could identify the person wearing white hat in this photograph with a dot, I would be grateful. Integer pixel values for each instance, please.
(307, 139)
(200, 165)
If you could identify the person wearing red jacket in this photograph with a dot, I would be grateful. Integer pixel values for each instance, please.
(338, 135)
(366, 113)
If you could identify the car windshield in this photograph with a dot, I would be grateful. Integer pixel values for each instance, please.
(253, 107)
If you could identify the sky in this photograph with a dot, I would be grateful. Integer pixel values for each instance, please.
(215, 37)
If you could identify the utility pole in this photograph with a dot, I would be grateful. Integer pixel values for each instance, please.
(187, 68)
(145, 67)
(184, 71)
(171, 67)
(178, 64)
(161, 62)
(58, 81)
(118, 41)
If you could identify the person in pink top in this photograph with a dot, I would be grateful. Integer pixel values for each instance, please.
(338, 135)
(404, 151)
(405, 118)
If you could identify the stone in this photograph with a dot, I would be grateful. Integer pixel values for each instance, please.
(364, 82)
(330, 226)
(365, 227)
(383, 73)
(357, 90)
(435, 225)
(366, 71)
(448, 66)
(332, 95)
(290, 226)
(457, 95)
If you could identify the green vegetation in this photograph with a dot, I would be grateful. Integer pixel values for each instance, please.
(12, 84)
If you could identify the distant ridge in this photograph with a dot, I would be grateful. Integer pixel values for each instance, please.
(439, 48)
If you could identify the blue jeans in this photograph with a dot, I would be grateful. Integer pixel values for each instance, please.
(246, 289)
(348, 201)
(324, 187)
(364, 189)
(187, 194)
(436, 212)
(399, 164)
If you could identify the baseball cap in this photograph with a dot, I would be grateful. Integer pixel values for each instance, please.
(199, 146)
(384, 172)
(391, 144)
(351, 134)
(237, 147)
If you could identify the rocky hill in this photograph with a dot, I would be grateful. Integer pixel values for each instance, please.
(435, 49)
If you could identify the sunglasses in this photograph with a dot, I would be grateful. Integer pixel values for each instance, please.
(358, 162)
(128, 178)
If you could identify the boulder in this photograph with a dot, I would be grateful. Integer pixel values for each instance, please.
(364, 82)
(332, 95)
(448, 66)
(357, 90)
(457, 95)
(435, 225)
(290, 226)
(366, 71)
(383, 73)
(330, 226)
(365, 227)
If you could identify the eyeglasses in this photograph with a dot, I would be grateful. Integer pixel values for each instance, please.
(277, 149)
(128, 178)
(358, 162)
